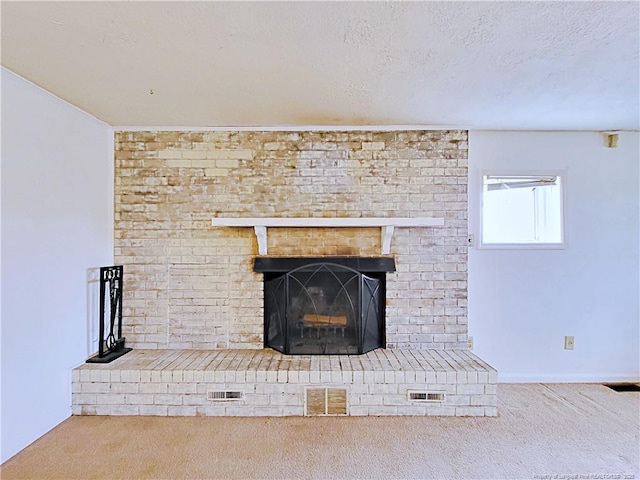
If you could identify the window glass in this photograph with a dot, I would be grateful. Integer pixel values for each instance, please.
(522, 209)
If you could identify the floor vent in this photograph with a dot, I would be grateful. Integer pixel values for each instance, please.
(219, 396)
(623, 387)
(421, 396)
(326, 401)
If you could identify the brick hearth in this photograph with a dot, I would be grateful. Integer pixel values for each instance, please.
(176, 383)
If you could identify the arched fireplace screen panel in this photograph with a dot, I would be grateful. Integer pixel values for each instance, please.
(323, 309)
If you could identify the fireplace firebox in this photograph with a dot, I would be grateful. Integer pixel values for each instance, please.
(325, 305)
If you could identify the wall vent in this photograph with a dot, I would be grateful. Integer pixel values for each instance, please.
(424, 396)
(326, 401)
(219, 396)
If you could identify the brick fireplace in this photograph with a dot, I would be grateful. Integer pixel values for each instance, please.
(189, 285)
(194, 306)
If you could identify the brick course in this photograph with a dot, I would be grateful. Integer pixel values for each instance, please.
(191, 286)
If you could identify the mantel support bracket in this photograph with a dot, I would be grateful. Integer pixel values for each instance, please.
(261, 235)
(387, 233)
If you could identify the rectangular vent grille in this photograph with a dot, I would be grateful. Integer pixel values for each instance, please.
(336, 401)
(623, 387)
(219, 396)
(419, 396)
(326, 401)
(316, 404)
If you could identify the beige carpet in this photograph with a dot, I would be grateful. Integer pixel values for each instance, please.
(542, 430)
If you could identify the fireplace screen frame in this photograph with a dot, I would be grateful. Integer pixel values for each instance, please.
(324, 306)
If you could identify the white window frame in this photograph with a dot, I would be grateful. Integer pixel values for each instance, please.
(562, 174)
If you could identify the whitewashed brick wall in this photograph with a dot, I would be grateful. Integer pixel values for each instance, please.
(188, 285)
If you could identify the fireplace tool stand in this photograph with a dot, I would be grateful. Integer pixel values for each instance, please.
(111, 345)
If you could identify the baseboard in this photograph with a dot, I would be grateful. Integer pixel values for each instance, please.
(568, 378)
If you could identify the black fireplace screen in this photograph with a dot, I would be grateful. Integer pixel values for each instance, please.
(324, 308)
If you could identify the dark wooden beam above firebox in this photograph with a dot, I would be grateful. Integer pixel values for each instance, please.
(361, 264)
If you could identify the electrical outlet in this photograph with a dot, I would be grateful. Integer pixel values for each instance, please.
(470, 343)
(568, 342)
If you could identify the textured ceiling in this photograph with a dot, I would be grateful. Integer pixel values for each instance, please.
(485, 65)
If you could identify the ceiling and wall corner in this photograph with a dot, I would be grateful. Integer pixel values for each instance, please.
(477, 65)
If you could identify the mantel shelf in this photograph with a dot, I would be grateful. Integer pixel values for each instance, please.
(387, 225)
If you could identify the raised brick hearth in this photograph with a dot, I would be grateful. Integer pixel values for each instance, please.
(177, 383)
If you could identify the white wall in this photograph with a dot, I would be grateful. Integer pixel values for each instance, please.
(523, 302)
(57, 221)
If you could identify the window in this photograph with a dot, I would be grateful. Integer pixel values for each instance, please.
(522, 210)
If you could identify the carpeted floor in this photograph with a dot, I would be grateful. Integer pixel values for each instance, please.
(568, 430)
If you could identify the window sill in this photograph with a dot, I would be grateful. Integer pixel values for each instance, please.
(523, 246)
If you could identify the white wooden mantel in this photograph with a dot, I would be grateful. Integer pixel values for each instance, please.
(387, 226)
